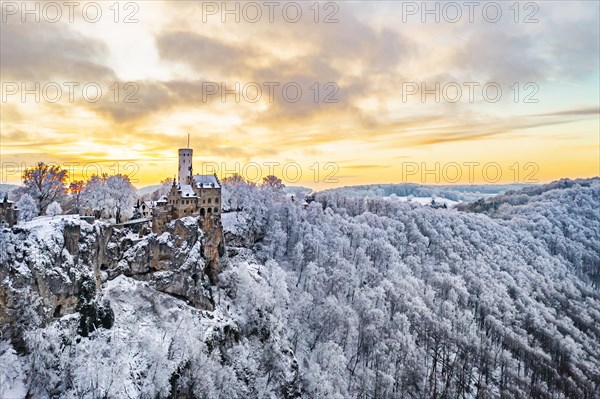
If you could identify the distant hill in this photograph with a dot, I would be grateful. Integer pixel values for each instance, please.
(525, 194)
(451, 192)
(147, 190)
(7, 188)
(298, 190)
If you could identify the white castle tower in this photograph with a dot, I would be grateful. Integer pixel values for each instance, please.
(185, 164)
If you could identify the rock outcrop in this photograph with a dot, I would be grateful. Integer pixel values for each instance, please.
(44, 262)
(180, 262)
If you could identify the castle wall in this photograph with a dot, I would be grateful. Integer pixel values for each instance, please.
(186, 207)
(210, 198)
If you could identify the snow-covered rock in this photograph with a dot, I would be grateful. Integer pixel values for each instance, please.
(46, 261)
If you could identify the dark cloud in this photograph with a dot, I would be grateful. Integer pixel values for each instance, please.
(135, 101)
(202, 52)
(333, 47)
(45, 51)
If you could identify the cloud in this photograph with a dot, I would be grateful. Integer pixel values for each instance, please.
(202, 52)
(45, 51)
(574, 112)
(14, 135)
(134, 101)
(470, 129)
(328, 50)
(502, 57)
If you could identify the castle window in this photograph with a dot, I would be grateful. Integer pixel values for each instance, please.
(216, 200)
(209, 200)
(216, 210)
(209, 210)
(202, 212)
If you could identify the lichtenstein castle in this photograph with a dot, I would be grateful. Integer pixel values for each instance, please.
(190, 195)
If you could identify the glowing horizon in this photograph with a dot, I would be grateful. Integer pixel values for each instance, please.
(382, 91)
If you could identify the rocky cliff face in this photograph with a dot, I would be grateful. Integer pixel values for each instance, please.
(45, 263)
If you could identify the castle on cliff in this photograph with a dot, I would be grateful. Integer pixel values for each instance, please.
(190, 195)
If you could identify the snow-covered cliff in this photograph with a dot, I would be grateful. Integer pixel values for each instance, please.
(51, 265)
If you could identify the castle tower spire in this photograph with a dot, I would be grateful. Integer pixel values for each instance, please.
(185, 164)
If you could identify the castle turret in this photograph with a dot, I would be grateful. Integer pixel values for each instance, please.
(185, 166)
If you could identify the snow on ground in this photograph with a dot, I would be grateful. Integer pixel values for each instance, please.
(44, 239)
(44, 228)
(42, 220)
(145, 313)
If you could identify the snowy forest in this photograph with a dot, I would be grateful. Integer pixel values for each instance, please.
(358, 294)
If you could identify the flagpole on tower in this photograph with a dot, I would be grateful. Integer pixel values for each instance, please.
(188, 141)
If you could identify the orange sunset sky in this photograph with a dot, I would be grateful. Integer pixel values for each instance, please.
(158, 65)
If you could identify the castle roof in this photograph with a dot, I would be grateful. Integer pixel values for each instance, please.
(150, 204)
(206, 181)
(187, 190)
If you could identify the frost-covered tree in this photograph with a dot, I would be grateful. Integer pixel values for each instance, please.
(11, 373)
(75, 195)
(165, 186)
(28, 208)
(238, 193)
(110, 196)
(421, 302)
(45, 183)
(53, 209)
(95, 195)
(275, 241)
(122, 196)
(273, 182)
